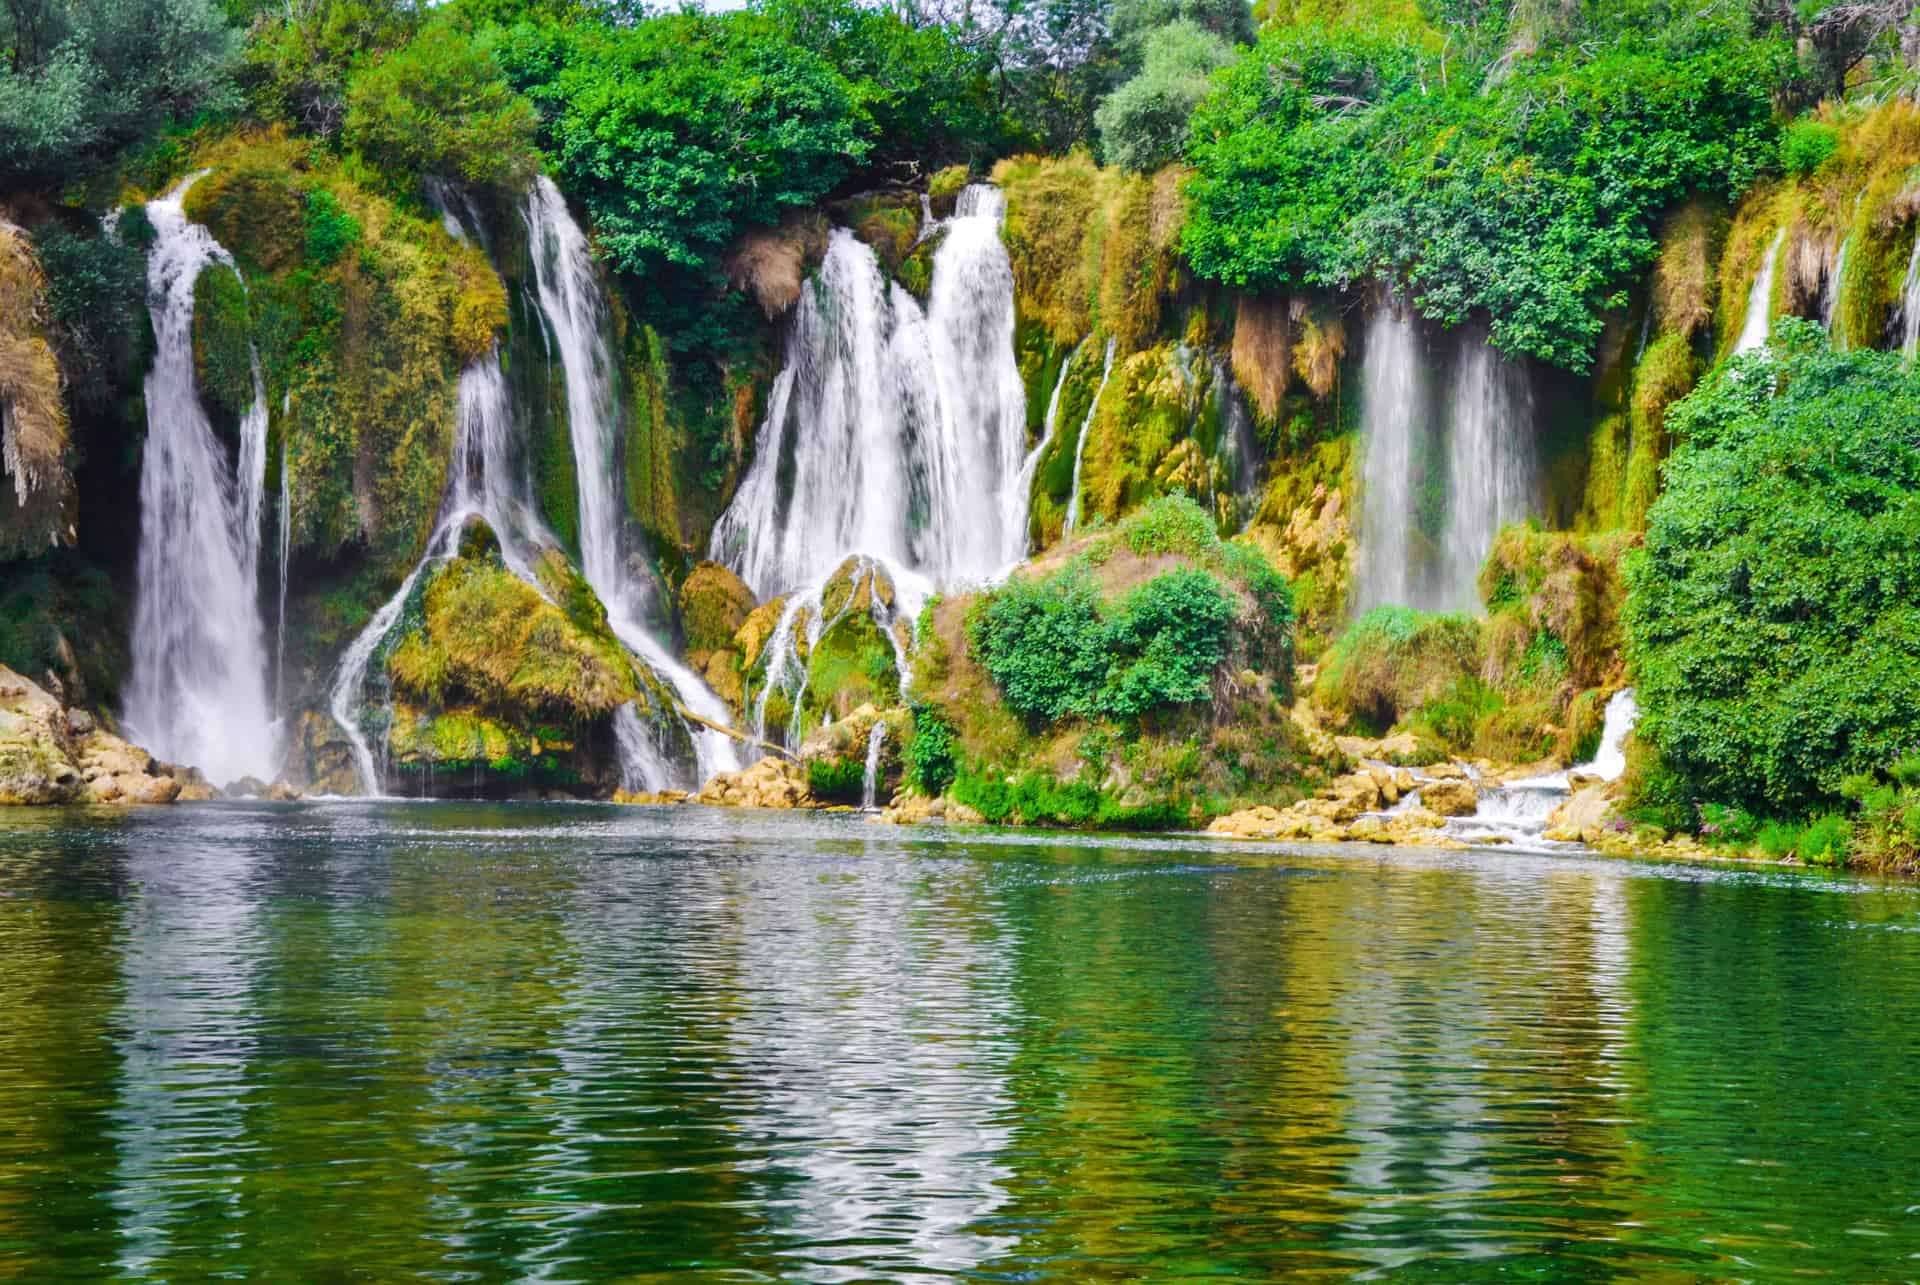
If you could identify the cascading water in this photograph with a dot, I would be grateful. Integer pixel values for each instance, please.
(575, 313)
(1238, 447)
(285, 550)
(483, 482)
(198, 691)
(894, 435)
(870, 782)
(1493, 468)
(1080, 443)
(1910, 304)
(1830, 315)
(1754, 328)
(891, 432)
(1019, 496)
(1393, 419)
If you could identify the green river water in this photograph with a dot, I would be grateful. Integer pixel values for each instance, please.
(494, 1042)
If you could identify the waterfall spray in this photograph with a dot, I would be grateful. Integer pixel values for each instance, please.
(198, 690)
(870, 782)
(1493, 469)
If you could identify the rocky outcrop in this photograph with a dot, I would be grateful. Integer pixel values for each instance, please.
(1585, 814)
(770, 783)
(54, 755)
(915, 809)
(1453, 798)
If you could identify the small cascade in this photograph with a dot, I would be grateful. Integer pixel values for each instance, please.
(1910, 304)
(1080, 443)
(575, 313)
(198, 690)
(804, 621)
(1393, 421)
(1515, 814)
(1021, 494)
(1830, 315)
(285, 551)
(481, 482)
(1754, 329)
(1493, 468)
(1238, 447)
(870, 783)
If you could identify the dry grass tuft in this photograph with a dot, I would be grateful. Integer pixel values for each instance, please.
(771, 264)
(1262, 351)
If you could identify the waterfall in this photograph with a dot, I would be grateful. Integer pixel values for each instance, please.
(891, 432)
(1910, 304)
(1493, 470)
(1393, 414)
(1080, 444)
(575, 313)
(1020, 496)
(1753, 330)
(1238, 446)
(286, 546)
(787, 672)
(198, 690)
(1830, 315)
(870, 783)
(483, 482)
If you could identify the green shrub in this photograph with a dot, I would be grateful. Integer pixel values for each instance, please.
(1170, 524)
(931, 759)
(1805, 145)
(840, 780)
(331, 231)
(440, 105)
(1054, 651)
(1143, 123)
(1038, 798)
(1773, 617)
(1824, 841)
(1394, 660)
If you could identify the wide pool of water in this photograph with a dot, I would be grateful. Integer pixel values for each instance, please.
(482, 1042)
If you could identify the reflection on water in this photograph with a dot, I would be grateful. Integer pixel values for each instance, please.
(484, 1042)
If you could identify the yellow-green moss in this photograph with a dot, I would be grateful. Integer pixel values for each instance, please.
(36, 489)
(714, 604)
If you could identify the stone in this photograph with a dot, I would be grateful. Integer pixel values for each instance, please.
(1581, 818)
(770, 783)
(714, 603)
(656, 797)
(1450, 798)
(79, 722)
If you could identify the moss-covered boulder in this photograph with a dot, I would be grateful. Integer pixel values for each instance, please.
(714, 604)
(500, 686)
(835, 756)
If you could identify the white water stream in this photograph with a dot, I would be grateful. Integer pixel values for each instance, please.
(198, 690)
(575, 313)
(1754, 328)
(1080, 443)
(1493, 466)
(870, 782)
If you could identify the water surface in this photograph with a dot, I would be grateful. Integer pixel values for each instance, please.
(503, 1042)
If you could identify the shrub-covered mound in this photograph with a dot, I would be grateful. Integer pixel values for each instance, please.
(1137, 676)
(499, 686)
(1774, 618)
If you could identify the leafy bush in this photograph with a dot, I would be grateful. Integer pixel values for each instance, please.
(440, 105)
(330, 229)
(931, 760)
(1805, 144)
(841, 780)
(1170, 524)
(1394, 660)
(1824, 841)
(1143, 123)
(1054, 651)
(1038, 798)
(1773, 618)
(96, 291)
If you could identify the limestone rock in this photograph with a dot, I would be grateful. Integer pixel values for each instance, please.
(1450, 798)
(714, 603)
(770, 783)
(1580, 818)
(658, 797)
(54, 755)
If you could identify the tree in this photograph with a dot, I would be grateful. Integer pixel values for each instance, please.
(80, 80)
(1144, 122)
(1774, 616)
(440, 105)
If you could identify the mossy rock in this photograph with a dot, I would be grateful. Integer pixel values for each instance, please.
(889, 222)
(943, 190)
(852, 664)
(222, 348)
(714, 604)
(750, 639)
(466, 751)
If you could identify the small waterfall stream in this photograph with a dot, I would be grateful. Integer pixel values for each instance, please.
(870, 783)
(1754, 328)
(1438, 483)
(1080, 443)
(1910, 304)
(575, 313)
(1019, 496)
(1493, 468)
(198, 690)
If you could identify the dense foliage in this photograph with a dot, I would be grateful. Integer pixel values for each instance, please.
(1774, 618)
(1523, 188)
(1055, 650)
